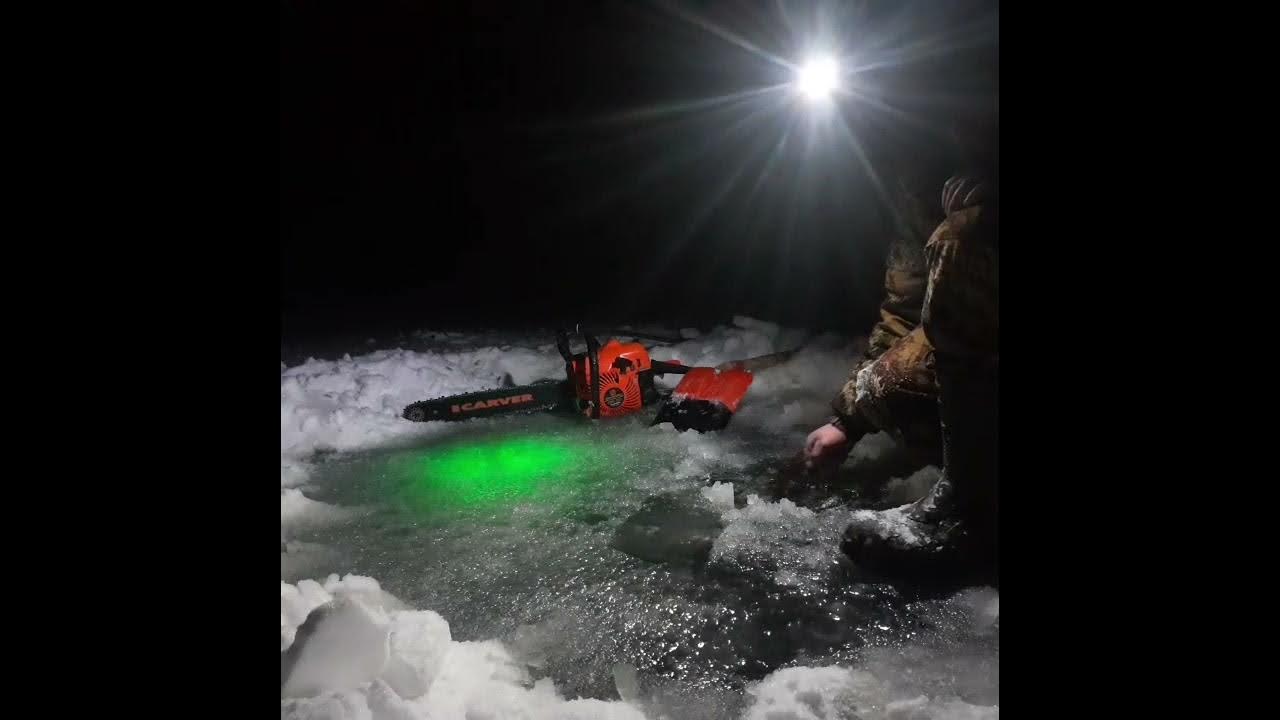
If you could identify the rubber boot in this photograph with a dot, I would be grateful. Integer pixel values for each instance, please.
(952, 531)
(923, 539)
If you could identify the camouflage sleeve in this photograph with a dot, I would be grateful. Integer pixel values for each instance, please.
(961, 311)
(844, 404)
(905, 281)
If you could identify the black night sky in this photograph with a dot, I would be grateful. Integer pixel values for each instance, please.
(501, 163)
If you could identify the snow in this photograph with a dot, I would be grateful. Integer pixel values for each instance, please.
(983, 605)
(348, 649)
(791, 546)
(748, 338)
(900, 491)
(836, 693)
(366, 654)
(368, 657)
(894, 523)
(720, 495)
(292, 473)
(939, 681)
(297, 509)
(355, 403)
(872, 447)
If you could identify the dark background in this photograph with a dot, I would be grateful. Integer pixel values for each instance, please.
(507, 163)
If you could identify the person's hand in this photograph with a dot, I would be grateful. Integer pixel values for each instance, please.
(826, 447)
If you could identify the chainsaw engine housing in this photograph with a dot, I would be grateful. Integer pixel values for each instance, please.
(613, 380)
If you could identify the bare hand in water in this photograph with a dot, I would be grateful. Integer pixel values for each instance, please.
(826, 447)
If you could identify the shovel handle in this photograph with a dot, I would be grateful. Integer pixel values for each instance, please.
(662, 368)
(758, 363)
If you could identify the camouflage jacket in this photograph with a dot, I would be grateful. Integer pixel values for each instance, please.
(934, 290)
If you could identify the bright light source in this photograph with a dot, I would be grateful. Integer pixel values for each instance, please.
(818, 78)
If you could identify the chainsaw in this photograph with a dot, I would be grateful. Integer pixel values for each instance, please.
(609, 381)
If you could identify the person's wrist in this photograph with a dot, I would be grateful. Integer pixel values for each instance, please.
(853, 426)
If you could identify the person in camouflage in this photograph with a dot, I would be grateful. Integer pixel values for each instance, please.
(892, 388)
(930, 377)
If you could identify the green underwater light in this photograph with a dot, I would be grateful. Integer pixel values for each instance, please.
(468, 474)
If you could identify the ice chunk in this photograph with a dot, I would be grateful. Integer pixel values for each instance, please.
(356, 658)
(803, 693)
(297, 509)
(341, 646)
(720, 495)
(419, 642)
(628, 684)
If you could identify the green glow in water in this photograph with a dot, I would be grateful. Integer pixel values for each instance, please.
(479, 473)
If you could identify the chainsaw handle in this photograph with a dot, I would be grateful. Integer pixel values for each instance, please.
(593, 356)
(562, 344)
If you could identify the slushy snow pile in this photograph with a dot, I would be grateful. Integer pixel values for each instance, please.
(365, 655)
(350, 650)
(837, 692)
(791, 545)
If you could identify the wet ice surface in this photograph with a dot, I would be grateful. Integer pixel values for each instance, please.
(723, 597)
(615, 559)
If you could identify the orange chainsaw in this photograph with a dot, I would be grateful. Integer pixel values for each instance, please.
(612, 380)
